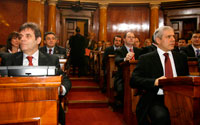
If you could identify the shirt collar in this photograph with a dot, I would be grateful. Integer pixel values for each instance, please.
(116, 47)
(128, 48)
(35, 55)
(161, 52)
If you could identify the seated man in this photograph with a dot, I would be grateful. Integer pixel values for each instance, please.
(159, 64)
(125, 53)
(31, 56)
(50, 45)
(110, 51)
(181, 43)
(192, 50)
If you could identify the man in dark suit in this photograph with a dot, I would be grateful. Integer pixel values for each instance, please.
(181, 43)
(77, 53)
(30, 55)
(192, 50)
(150, 48)
(117, 40)
(126, 53)
(50, 47)
(150, 68)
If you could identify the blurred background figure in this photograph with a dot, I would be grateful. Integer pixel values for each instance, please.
(77, 53)
(136, 43)
(181, 43)
(107, 44)
(147, 42)
(13, 42)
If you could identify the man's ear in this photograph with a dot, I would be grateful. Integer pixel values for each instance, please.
(157, 40)
(38, 40)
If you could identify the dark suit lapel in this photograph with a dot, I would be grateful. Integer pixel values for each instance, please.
(18, 60)
(42, 59)
(156, 62)
(124, 51)
(177, 63)
(56, 50)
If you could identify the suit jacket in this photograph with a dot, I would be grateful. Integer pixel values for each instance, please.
(121, 54)
(148, 69)
(148, 49)
(188, 51)
(57, 50)
(45, 59)
(91, 47)
(108, 51)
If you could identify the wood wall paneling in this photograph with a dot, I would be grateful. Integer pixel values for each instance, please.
(13, 13)
(128, 18)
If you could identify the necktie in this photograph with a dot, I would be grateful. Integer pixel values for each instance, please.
(50, 51)
(30, 60)
(131, 50)
(168, 67)
(197, 52)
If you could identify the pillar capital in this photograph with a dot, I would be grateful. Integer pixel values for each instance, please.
(154, 6)
(103, 5)
(52, 2)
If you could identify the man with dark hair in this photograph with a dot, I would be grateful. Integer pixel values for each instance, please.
(126, 53)
(51, 46)
(150, 48)
(160, 64)
(192, 50)
(31, 56)
(77, 53)
(181, 43)
(117, 40)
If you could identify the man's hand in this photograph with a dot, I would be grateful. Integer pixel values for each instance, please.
(129, 56)
(156, 83)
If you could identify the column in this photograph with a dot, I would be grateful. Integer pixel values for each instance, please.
(35, 13)
(103, 22)
(154, 19)
(52, 15)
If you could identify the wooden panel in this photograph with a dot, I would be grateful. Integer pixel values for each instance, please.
(182, 98)
(12, 15)
(45, 111)
(29, 100)
(125, 18)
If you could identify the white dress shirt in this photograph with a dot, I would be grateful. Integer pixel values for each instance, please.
(162, 58)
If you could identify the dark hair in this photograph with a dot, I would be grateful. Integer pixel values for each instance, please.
(116, 36)
(195, 32)
(47, 33)
(12, 35)
(77, 29)
(127, 33)
(32, 26)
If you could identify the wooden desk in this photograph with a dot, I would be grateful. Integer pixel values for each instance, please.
(182, 97)
(101, 73)
(110, 67)
(193, 68)
(29, 100)
(130, 101)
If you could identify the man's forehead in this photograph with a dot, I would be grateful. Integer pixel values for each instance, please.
(196, 34)
(29, 30)
(130, 33)
(50, 35)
